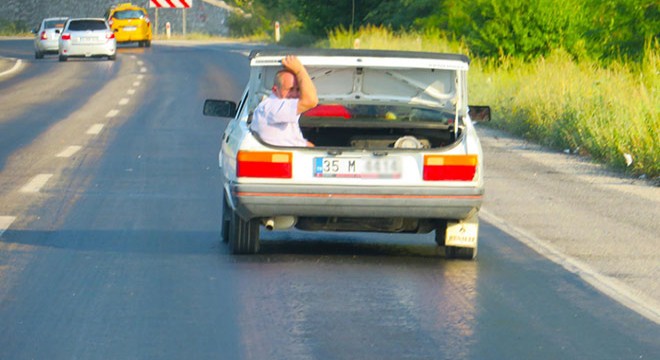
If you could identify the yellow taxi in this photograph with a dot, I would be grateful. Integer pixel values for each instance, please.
(130, 23)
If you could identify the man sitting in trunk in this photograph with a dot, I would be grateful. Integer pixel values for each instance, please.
(275, 119)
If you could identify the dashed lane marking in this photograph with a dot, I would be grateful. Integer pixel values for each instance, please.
(123, 101)
(140, 77)
(69, 151)
(136, 83)
(112, 113)
(143, 70)
(37, 182)
(5, 222)
(95, 129)
(130, 91)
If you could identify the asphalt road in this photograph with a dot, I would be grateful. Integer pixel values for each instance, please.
(109, 241)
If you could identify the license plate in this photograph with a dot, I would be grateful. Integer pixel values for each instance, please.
(130, 28)
(87, 39)
(386, 167)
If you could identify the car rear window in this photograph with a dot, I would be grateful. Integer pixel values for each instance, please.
(81, 25)
(54, 24)
(128, 14)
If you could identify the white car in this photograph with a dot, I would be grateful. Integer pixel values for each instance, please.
(87, 37)
(396, 151)
(47, 35)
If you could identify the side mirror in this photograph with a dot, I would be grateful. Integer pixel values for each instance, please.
(479, 113)
(219, 108)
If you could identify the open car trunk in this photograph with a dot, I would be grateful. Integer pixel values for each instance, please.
(379, 127)
(378, 101)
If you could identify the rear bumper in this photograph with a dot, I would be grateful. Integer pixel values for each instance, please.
(252, 201)
(107, 49)
(131, 36)
(48, 46)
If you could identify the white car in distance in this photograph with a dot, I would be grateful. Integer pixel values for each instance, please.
(87, 37)
(396, 151)
(47, 35)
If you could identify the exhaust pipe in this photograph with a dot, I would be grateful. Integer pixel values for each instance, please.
(279, 222)
(270, 224)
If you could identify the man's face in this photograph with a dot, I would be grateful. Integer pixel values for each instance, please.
(288, 88)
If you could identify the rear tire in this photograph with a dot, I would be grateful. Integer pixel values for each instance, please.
(147, 43)
(453, 252)
(38, 55)
(440, 231)
(112, 57)
(226, 217)
(243, 235)
(63, 58)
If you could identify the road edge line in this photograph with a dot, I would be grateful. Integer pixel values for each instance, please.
(613, 288)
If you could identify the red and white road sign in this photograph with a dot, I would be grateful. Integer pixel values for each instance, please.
(170, 4)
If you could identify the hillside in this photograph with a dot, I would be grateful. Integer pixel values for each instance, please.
(203, 17)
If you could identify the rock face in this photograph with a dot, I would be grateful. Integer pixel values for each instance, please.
(201, 18)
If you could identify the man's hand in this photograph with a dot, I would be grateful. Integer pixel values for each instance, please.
(292, 63)
(308, 98)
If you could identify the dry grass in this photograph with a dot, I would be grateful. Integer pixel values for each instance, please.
(604, 113)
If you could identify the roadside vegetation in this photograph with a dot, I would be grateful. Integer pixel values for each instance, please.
(611, 114)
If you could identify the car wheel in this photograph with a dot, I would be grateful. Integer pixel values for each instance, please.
(243, 235)
(453, 252)
(112, 57)
(140, 43)
(440, 231)
(147, 43)
(38, 55)
(63, 58)
(227, 214)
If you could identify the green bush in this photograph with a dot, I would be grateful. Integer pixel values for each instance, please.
(8, 27)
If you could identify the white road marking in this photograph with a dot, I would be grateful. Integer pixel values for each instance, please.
(130, 91)
(608, 285)
(5, 222)
(36, 183)
(140, 77)
(69, 151)
(136, 83)
(140, 62)
(16, 66)
(112, 113)
(123, 101)
(95, 129)
(143, 70)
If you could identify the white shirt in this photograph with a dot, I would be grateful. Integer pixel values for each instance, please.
(276, 122)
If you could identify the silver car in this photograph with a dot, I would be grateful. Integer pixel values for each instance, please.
(87, 37)
(396, 151)
(47, 35)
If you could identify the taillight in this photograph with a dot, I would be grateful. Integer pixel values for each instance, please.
(66, 36)
(110, 36)
(450, 167)
(264, 164)
(44, 36)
